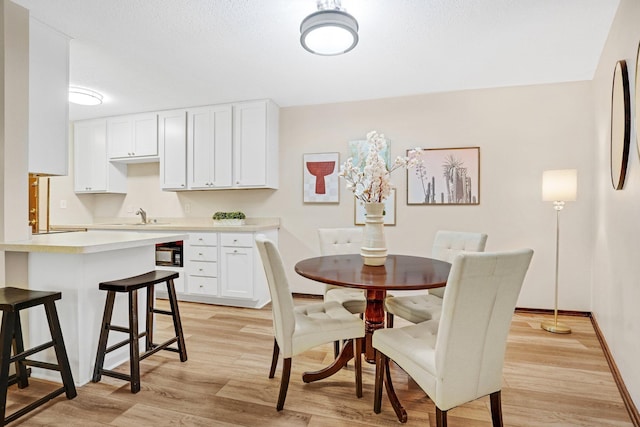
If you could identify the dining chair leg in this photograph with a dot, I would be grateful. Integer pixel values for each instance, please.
(336, 349)
(389, 320)
(274, 358)
(377, 398)
(284, 383)
(357, 359)
(441, 418)
(496, 409)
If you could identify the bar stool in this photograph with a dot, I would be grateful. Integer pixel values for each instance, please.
(12, 301)
(131, 286)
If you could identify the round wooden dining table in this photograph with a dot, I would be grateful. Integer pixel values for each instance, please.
(400, 272)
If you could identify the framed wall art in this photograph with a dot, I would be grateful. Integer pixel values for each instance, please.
(620, 124)
(446, 176)
(320, 176)
(358, 151)
(389, 210)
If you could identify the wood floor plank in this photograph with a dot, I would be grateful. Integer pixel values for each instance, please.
(549, 380)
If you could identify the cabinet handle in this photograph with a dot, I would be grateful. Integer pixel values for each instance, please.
(235, 251)
(200, 253)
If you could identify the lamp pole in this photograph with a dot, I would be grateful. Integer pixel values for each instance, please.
(555, 327)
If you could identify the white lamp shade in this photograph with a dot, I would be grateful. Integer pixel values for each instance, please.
(560, 185)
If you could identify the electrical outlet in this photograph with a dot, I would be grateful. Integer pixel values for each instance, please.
(63, 204)
(187, 207)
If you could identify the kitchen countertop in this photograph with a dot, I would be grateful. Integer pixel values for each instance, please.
(83, 242)
(177, 224)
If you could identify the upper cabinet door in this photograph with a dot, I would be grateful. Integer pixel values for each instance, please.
(93, 173)
(209, 142)
(172, 136)
(255, 142)
(133, 138)
(48, 100)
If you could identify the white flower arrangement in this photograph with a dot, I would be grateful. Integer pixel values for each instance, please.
(369, 179)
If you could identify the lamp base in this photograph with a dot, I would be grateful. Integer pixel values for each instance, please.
(556, 328)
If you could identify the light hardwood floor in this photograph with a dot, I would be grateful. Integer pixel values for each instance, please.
(549, 380)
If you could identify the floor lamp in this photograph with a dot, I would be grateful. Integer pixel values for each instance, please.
(558, 186)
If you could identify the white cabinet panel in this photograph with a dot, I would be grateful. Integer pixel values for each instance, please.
(255, 142)
(93, 173)
(133, 138)
(202, 268)
(202, 285)
(209, 142)
(202, 253)
(237, 272)
(172, 135)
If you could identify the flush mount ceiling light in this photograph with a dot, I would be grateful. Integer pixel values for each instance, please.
(330, 30)
(83, 96)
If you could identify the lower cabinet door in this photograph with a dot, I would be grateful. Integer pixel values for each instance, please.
(237, 272)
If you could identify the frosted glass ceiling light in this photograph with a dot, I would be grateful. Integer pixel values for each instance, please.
(83, 96)
(330, 30)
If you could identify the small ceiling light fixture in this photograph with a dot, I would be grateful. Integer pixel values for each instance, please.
(329, 31)
(83, 96)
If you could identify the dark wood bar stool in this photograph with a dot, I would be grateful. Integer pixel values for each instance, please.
(131, 286)
(12, 301)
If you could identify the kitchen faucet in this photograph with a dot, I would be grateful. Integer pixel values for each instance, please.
(143, 215)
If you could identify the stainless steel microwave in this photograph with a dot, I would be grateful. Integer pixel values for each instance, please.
(169, 255)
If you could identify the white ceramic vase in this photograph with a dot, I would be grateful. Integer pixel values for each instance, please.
(374, 248)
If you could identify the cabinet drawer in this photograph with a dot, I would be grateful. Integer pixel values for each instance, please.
(203, 239)
(201, 268)
(202, 285)
(202, 253)
(244, 240)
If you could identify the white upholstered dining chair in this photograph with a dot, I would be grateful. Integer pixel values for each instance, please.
(298, 329)
(459, 357)
(426, 306)
(342, 241)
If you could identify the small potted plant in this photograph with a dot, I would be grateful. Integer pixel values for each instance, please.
(229, 218)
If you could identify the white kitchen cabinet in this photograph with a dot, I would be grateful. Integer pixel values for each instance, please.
(48, 100)
(93, 173)
(133, 138)
(255, 142)
(228, 147)
(201, 264)
(236, 259)
(209, 147)
(172, 142)
(223, 268)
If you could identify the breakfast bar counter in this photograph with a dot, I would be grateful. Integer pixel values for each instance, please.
(74, 263)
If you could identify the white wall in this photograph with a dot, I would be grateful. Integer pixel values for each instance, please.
(521, 131)
(616, 269)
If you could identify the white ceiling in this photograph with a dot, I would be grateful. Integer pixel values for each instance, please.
(148, 55)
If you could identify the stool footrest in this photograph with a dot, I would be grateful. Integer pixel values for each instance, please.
(42, 365)
(114, 374)
(34, 405)
(123, 343)
(118, 328)
(34, 350)
(159, 311)
(159, 347)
